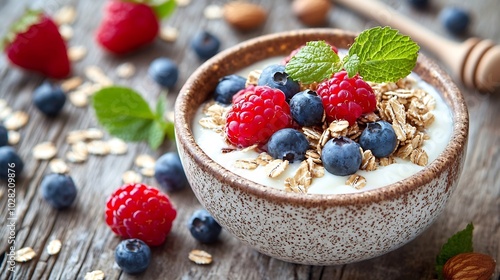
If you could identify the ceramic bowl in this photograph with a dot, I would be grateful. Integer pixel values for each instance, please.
(311, 228)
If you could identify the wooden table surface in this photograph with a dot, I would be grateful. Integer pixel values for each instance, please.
(88, 244)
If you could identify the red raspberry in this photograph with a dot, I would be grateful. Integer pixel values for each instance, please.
(346, 98)
(140, 211)
(257, 112)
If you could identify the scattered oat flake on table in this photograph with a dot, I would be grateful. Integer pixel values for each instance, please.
(130, 177)
(148, 171)
(78, 98)
(182, 3)
(145, 160)
(169, 33)
(71, 83)
(94, 275)
(125, 70)
(58, 166)
(98, 147)
(65, 15)
(93, 134)
(96, 74)
(13, 137)
(44, 151)
(54, 247)
(200, 257)
(213, 12)
(5, 112)
(16, 120)
(75, 136)
(117, 146)
(25, 254)
(77, 53)
(66, 32)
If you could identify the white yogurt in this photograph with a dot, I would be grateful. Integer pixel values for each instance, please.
(439, 132)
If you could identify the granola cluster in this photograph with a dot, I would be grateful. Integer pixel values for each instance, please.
(407, 108)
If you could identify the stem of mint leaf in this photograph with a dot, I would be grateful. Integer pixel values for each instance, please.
(379, 54)
(460, 242)
(125, 114)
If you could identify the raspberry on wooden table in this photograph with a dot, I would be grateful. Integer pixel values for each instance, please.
(140, 211)
(257, 112)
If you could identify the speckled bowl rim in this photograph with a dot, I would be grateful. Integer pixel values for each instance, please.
(426, 68)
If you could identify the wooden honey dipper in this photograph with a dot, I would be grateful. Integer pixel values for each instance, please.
(475, 62)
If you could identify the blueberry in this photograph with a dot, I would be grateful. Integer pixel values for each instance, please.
(380, 138)
(341, 156)
(419, 4)
(169, 172)
(11, 165)
(306, 108)
(164, 71)
(288, 144)
(49, 99)
(58, 190)
(133, 256)
(275, 76)
(4, 136)
(455, 20)
(204, 227)
(227, 87)
(205, 44)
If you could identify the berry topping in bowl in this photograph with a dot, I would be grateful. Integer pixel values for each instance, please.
(227, 87)
(306, 108)
(288, 144)
(380, 138)
(275, 76)
(341, 156)
(258, 112)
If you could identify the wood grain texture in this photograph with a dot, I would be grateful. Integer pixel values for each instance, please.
(89, 245)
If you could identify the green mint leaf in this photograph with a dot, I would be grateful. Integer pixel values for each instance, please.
(315, 62)
(161, 106)
(156, 135)
(460, 242)
(351, 64)
(384, 54)
(164, 8)
(125, 114)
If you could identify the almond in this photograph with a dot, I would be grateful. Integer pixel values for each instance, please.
(244, 16)
(469, 266)
(311, 12)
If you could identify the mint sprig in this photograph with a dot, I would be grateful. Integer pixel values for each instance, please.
(460, 242)
(314, 62)
(379, 54)
(125, 114)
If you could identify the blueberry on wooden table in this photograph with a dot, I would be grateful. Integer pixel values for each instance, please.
(204, 227)
(133, 256)
(456, 20)
(4, 136)
(169, 172)
(205, 44)
(49, 99)
(58, 190)
(164, 71)
(11, 165)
